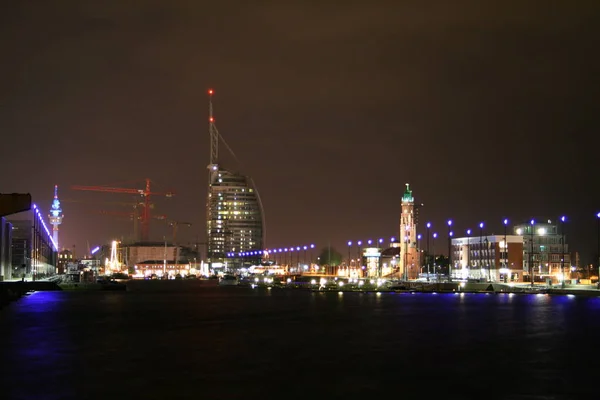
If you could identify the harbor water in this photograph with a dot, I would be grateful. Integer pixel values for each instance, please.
(171, 341)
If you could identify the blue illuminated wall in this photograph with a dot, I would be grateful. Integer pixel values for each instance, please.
(34, 252)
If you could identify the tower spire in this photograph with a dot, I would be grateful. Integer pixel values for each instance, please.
(214, 133)
(55, 216)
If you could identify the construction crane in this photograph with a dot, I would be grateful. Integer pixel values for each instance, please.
(145, 193)
(131, 216)
(175, 225)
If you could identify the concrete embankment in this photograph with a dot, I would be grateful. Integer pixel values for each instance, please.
(10, 291)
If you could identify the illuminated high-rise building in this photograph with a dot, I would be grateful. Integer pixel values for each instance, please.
(409, 257)
(234, 213)
(55, 216)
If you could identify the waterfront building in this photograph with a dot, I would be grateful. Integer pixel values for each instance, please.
(5, 249)
(545, 248)
(235, 225)
(390, 260)
(234, 220)
(159, 268)
(495, 258)
(140, 252)
(409, 255)
(33, 248)
(64, 257)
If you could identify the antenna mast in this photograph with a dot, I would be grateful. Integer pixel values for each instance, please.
(214, 133)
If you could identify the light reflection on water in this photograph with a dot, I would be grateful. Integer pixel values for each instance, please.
(177, 344)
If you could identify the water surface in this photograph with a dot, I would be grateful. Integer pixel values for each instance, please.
(233, 342)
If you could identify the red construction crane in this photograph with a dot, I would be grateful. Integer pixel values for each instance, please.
(145, 193)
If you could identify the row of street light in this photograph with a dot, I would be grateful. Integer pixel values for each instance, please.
(359, 244)
(282, 253)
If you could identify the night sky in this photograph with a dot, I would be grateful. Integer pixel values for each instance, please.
(489, 111)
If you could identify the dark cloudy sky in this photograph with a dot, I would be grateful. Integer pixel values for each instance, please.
(488, 108)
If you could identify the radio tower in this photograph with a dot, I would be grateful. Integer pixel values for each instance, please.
(55, 216)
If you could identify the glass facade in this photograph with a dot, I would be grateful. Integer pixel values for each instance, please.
(235, 219)
(34, 253)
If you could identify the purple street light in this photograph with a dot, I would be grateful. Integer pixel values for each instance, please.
(531, 269)
(433, 250)
(562, 242)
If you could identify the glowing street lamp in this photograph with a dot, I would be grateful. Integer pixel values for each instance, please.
(505, 270)
(481, 249)
(468, 248)
(304, 248)
(359, 257)
(349, 246)
(562, 256)
(428, 256)
(449, 251)
(433, 250)
(531, 270)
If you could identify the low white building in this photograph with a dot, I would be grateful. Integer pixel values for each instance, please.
(494, 258)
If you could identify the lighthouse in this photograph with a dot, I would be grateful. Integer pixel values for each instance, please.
(55, 216)
(408, 237)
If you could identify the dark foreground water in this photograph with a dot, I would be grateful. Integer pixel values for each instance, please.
(233, 343)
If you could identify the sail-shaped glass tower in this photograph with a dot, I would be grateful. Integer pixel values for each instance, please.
(234, 220)
(234, 213)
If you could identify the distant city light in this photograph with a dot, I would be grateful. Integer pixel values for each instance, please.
(95, 250)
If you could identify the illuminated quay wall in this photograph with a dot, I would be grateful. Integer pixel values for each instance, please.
(34, 252)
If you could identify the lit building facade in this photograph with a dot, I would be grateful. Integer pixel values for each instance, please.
(141, 252)
(5, 249)
(33, 248)
(409, 254)
(488, 258)
(159, 268)
(235, 220)
(543, 249)
(64, 257)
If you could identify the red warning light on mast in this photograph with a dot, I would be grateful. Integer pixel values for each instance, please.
(210, 91)
(211, 119)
